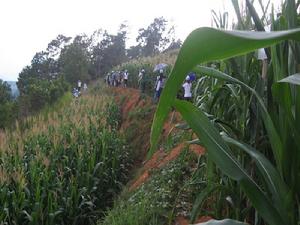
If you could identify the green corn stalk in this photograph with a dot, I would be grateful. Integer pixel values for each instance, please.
(221, 45)
(51, 171)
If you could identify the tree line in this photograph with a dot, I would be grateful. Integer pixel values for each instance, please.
(56, 69)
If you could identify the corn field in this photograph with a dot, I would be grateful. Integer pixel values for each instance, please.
(63, 167)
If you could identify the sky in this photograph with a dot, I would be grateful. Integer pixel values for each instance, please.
(27, 26)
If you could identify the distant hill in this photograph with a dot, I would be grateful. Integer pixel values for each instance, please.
(14, 88)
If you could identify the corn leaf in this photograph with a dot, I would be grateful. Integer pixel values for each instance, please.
(278, 189)
(259, 25)
(272, 132)
(221, 155)
(200, 199)
(293, 79)
(207, 44)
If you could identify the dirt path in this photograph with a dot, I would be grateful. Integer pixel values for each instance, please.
(137, 115)
(133, 105)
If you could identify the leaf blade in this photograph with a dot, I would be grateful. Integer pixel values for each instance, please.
(221, 155)
(207, 44)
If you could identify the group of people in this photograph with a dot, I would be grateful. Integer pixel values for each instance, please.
(120, 78)
(76, 92)
(160, 84)
(117, 78)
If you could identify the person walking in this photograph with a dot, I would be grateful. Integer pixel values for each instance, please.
(157, 85)
(111, 79)
(142, 80)
(125, 78)
(262, 56)
(118, 78)
(79, 85)
(85, 87)
(114, 78)
(158, 88)
(187, 86)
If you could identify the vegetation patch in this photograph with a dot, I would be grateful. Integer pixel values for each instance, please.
(154, 202)
(67, 168)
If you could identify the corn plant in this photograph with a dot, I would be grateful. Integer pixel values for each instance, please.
(65, 167)
(275, 201)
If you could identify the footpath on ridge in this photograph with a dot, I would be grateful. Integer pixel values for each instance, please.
(137, 114)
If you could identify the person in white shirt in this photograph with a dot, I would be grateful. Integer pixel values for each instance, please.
(84, 87)
(79, 85)
(142, 81)
(158, 88)
(262, 56)
(187, 86)
(159, 85)
(125, 78)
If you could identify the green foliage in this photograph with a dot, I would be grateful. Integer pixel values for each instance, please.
(65, 169)
(41, 82)
(109, 52)
(5, 91)
(154, 201)
(39, 93)
(74, 63)
(7, 105)
(233, 43)
(114, 119)
(134, 69)
(148, 63)
(151, 39)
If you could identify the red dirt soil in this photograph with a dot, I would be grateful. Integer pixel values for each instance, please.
(134, 101)
(160, 158)
(130, 100)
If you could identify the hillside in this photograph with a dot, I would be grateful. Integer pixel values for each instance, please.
(65, 165)
(60, 160)
(161, 189)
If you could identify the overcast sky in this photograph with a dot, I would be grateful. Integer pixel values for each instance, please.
(27, 26)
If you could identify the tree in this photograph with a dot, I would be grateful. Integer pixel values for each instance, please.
(109, 52)
(6, 104)
(5, 92)
(153, 39)
(135, 52)
(41, 82)
(74, 63)
(174, 45)
(55, 46)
